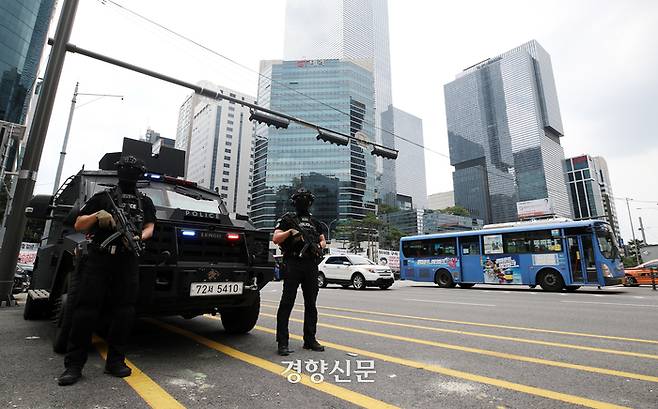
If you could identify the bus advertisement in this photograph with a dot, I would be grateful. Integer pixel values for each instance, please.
(553, 255)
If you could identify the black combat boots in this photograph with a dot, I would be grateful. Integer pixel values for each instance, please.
(283, 350)
(69, 376)
(314, 346)
(118, 369)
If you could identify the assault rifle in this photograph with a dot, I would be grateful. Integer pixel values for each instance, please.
(310, 243)
(125, 229)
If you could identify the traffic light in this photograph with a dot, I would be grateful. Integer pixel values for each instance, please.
(332, 137)
(269, 119)
(384, 152)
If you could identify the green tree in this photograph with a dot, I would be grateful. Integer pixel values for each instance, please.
(384, 209)
(632, 247)
(390, 239)
(456, 210)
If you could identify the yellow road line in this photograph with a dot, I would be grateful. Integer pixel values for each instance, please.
(502, 355)
(326, 387)
(151, 392)
(530, 390)
(481, 324)
(499, 337)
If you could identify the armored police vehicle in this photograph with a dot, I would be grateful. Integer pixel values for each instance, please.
(201, 259)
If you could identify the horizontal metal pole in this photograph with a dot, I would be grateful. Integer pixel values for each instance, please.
(202, 91)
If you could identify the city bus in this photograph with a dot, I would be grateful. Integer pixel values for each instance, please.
(555, 255)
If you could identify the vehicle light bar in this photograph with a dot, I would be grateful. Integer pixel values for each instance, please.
(188, 233)
(180, 182)
(153, 176)
(232, 236)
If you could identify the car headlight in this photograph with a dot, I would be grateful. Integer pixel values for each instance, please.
(606, 271)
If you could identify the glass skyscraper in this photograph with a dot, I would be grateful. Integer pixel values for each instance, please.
(23, 30)
(354, 30)
(504, 130)
(341, 177)
(591, 191)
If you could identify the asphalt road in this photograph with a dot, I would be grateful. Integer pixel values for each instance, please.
(485, 347)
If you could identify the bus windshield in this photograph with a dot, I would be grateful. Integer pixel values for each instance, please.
(607, 242)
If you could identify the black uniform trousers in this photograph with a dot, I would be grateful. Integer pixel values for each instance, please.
(103, 277)
(305, 272)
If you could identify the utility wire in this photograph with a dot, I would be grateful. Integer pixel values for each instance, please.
(208, 49)
(260, 75)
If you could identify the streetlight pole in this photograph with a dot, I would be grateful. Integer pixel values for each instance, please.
(27, 175)
(62, 153)
(630, 218)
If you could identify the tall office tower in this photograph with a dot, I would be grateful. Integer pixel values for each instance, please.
(218, 139)
(157, 141)
(606, 192)
(23, 32)
(341, 177)
(355, 30)
(409, 167)
(441, 200)
(590, 189)
(504, 130)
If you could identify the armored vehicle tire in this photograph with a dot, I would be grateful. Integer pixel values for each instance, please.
(240, 320)
(466, 285)
(63, 319)
(322, 280)
(443, 279)
(36, 309)
(550, 280)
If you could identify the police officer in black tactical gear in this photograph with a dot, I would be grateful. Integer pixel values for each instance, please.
(301, 239)
(109, 272)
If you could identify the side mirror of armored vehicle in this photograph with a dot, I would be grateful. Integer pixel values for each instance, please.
(39, 207)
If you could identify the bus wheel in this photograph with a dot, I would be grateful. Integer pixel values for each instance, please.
(572, 287)
(443, 279)
(466, 285)
(551, 280)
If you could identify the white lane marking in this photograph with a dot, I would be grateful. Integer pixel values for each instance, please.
(450, 302)
(611, 303)
(637, 296)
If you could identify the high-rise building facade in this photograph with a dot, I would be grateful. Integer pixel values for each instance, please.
(157, 141)
(218, 139)
(409, 168)
(590, 189)
(355, 30)
(504, 130)
(341, 177)
(441, 200)
(23, 29)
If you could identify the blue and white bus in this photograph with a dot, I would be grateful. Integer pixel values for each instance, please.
(554, 255)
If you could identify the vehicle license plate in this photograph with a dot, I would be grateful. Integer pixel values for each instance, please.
(215, 288)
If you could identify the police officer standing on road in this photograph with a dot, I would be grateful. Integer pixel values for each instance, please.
(301, 239)
(111, 269)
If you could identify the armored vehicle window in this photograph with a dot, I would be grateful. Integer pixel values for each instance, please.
(176, 200)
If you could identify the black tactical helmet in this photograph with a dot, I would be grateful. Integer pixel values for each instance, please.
(302, 195)
(129, 169)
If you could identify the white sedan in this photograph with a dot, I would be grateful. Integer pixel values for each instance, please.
(352, 270)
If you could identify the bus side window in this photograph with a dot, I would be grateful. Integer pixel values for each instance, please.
(470, 245)
(443, 247)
